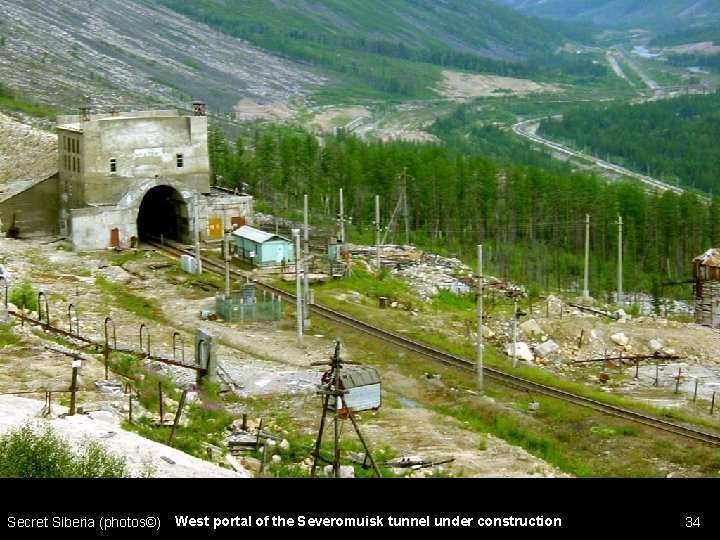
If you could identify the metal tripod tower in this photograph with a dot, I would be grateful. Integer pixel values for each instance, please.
(332, 391)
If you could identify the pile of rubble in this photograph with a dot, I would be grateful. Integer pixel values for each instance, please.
(425, 272)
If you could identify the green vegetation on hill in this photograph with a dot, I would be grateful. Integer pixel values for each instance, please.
(531, 220)
(690, 35)
(10, 100)
(704, 62)
(675, 139)
(380, 46)
(662, 15)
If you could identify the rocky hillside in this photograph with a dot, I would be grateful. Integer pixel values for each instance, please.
(26, 152)
(131, 54)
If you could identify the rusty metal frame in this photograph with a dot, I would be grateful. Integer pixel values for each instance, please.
(182, 346)
(147, 332)
(70, 309)
(106, 352)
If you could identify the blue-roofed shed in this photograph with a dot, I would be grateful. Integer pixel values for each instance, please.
(262, 248)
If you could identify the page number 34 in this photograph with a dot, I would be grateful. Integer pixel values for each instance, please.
(692, 521)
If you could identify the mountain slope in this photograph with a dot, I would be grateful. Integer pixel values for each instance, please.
(132, 54)
(468, 26)
(661, 15)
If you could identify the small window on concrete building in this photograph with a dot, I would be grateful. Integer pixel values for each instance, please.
(113, 165)
(179, 160)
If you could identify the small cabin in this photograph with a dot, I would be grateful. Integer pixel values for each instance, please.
(262, 248)
(362, 388)
(706, 273)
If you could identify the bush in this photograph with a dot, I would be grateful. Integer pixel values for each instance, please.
(23, 295)
(28, 452)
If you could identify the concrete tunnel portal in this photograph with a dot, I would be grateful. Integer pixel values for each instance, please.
(163, 213)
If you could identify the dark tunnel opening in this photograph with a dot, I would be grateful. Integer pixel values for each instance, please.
(161, 214)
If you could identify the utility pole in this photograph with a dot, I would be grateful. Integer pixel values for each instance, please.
(342, 220)
(298, 292)
(76, 363)
(377, 231)
(198, 262)
(620, 273)
(306, 257)
(226, 253)
(405, 209)
(586, 290)
(514, 333)
(480, 345)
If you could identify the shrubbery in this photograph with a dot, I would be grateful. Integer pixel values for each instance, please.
(29, 452)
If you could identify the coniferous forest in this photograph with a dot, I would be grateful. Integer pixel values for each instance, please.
(531, 221)
(677, 140)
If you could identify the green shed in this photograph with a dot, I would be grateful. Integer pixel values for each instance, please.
(262, 248)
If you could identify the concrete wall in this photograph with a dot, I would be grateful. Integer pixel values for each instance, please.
(91, 227)
(71, 167)
(226, 207)
(36, 208)
(148, 144)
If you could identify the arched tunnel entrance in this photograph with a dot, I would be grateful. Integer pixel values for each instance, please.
(163, 212)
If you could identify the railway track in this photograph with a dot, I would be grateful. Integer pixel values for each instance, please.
(489, 373)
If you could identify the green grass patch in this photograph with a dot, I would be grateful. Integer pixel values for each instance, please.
(205, 421)
(119, 296)
(446, 300)
(7, 335)
(629, 430)
(204, 280)
(371, 285)
(118, 259)
(510, 429)
(9, 100)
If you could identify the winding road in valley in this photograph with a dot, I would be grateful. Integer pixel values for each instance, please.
(528, 129)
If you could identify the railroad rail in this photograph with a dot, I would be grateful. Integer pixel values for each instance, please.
(445, 357)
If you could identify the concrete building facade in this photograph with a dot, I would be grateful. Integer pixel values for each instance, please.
(126, 176)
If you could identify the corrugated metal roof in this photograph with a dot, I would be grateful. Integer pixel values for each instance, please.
(354, 376)
(256, 235)
(710, 258)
